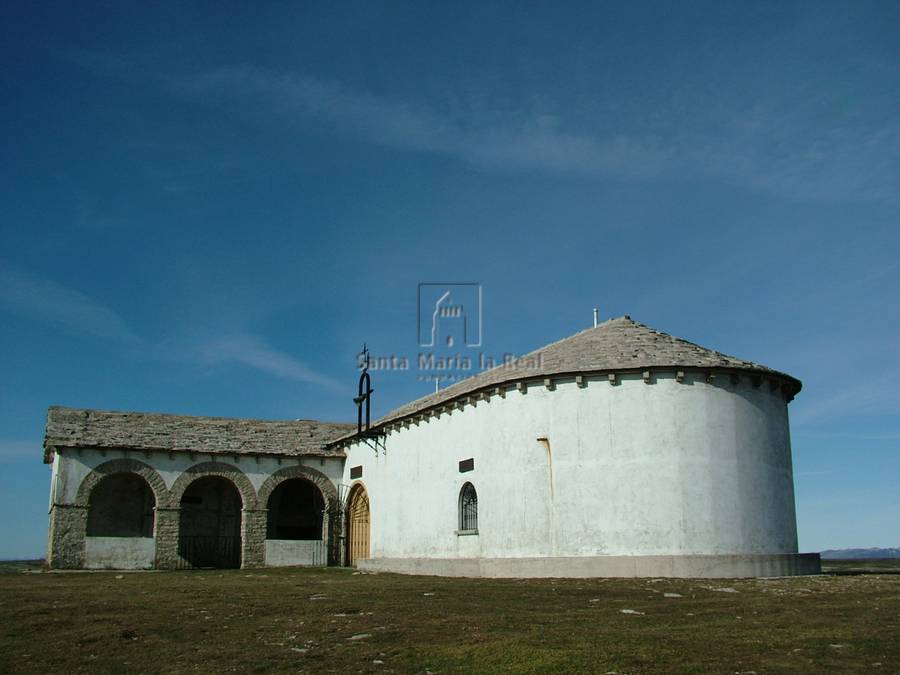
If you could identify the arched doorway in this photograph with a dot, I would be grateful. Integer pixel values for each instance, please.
(210, 530)
(121, 505)
(358, 543)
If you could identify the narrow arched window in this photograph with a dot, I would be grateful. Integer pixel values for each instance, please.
(468, 508)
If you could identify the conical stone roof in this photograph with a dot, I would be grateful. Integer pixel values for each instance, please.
(614, 346)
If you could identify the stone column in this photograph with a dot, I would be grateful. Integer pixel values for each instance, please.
(68, 528)
(168, 522)
(253, 537)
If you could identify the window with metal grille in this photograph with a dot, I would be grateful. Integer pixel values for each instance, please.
(468, 508)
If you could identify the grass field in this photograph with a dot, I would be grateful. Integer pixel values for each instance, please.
(337, 620)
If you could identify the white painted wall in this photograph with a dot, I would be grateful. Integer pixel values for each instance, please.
(119, 553)
(54, 472)
(288, 553)
(634, 469)
(72, 466)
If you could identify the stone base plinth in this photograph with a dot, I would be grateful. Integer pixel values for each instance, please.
(685, 566)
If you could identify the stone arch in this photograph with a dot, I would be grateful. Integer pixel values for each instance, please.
(222, 470)
(123, 465)
(332, 517)
(317, 478)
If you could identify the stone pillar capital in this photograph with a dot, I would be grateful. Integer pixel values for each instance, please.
(74, 507)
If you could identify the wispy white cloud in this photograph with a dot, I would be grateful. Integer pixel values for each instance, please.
(17, 451)
(522, 143)
(869, 395)
(30, 295)
(255, 352)
(766, 148)
(760, 135)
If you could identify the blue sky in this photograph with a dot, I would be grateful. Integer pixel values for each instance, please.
(207, 208)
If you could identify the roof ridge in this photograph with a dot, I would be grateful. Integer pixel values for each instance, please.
(91, 428)
(602, 324)
(63, 408)
(523, 356)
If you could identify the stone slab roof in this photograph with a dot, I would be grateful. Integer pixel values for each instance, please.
(616, 345)
(80, 428)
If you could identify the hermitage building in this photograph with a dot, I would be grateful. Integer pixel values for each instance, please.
(618, 451)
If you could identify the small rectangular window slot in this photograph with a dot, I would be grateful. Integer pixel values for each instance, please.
(467, 465)
(356, 472)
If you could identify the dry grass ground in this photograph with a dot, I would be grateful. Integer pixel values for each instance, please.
(335, 620)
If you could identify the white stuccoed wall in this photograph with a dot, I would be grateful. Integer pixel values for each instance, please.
(291, 552)
(71, 467)
(662, 469)
(119, 553)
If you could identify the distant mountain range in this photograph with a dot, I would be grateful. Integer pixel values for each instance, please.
(860, 553)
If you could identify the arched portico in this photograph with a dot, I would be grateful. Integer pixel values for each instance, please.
(209, 533)
(319, 479)
(134, 509)
(119, 500)
(222, 470)
(126, 466)
(121, 505)
(217, 522)
(300, 506)
(296, 511)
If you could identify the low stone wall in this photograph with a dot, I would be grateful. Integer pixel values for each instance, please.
(119, 553)
(690, 566)
(289, 553)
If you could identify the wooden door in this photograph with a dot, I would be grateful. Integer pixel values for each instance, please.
(359, 525)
